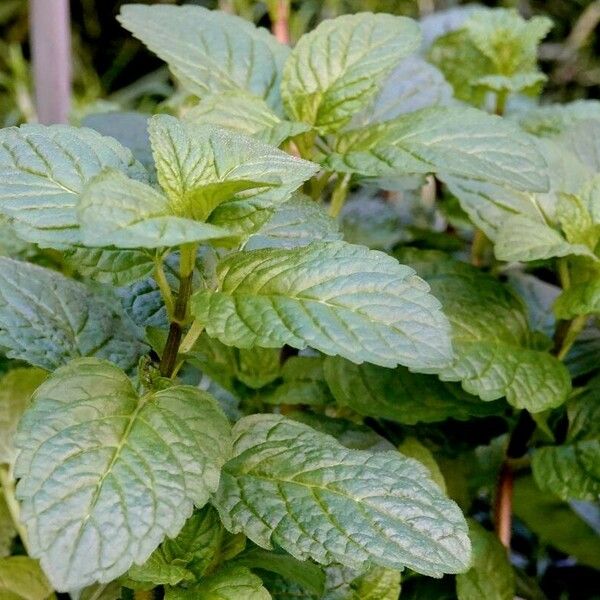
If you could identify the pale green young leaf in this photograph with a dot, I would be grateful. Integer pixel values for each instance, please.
(296, 223)
(521, 238)
(210, 51)
(576, 221)
(414, 84)
(491, 575)
(43, 172)
(293, 487)
(16, 388)
(412, 448)
(121, 212)
(399, 395)
(554, 521)
(47, 319)
(7, 528)
(157, 570)
(489, 327)
(444, 140)
(581, 139)
(579, 299)
(246, 113)
(337, 69)
(202, 166)
(22, 579)
(571, 471)
(104, 474)
(335, 297)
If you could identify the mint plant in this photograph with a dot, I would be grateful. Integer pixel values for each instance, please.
(245, 354)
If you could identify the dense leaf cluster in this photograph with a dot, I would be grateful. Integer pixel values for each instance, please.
(297, 333)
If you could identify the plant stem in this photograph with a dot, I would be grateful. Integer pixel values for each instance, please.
(478, 248)
(8, 490)
(501, 98)
(338, 197)
(566, 334)
(191, 337)
(143, 594)
(164, 287)
(187, 260)
(281, 21)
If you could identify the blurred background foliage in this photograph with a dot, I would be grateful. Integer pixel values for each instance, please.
(111, 68)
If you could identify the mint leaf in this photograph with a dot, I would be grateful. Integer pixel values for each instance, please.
(491, 574)
(201, 166)
(122, 212)
(414, 84)
(336, 70)
(579, 299)
(91, 450)
(296, 223)
(553, 119)
(571, 472)
(43, 172)
(445, 141)
(489, 327)
(399, 395)
(301, 490)
(111, 265)
(412, 448)
(210, 51)
(22, 579)
(230, 583)
(16, 388)
(335, 297)
(555, 522)
(47, 319)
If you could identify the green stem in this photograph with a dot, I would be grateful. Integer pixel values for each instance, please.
(338, 197)
(191, 337)
(478, 247)
(566, 334)
(164, 287)
(8, 490)
(501, 98)
(187, 259)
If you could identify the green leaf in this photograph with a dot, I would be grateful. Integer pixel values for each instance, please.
(44, 170)
(335, 297)
(305, 573)
(489, 328)
(303, 383)
(258, 367)
(106, 474)
(412, 448)
(446, 141)
(210, 51)
(47, 319)
(159, 571)
(553, 119)
(571, 472)
(584, 413)
(555, 522)
(337, 69)
(246, 113)
(491, 575)
(111, 265)
(414, 84)
(118, 211)
(230, 583)
(16, 388)
(22, 579)
(399, 395)
(579, 299)
(301, 490)
(201, 166)
(296, 223)
(525, 239)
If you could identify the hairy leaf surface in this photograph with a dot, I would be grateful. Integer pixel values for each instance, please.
(335, 297)
(47, 319)
(301, 490)
(336, 70)
(106, 474)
